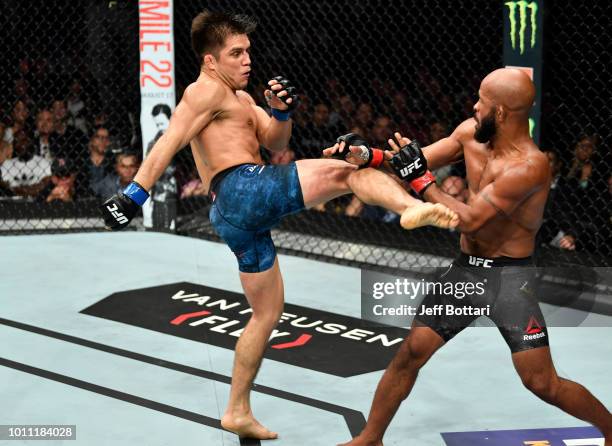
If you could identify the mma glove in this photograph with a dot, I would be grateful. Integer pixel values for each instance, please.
(410, 165)
(284, 115)
(372, 156)
(120, 209)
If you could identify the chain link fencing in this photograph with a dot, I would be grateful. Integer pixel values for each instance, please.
(71, 71)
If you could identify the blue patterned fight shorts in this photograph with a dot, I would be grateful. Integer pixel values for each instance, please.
(249, 200)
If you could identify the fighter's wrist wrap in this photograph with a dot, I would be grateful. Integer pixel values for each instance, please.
(281, 115)
(136, 193)
(377, 157)
(420, 184)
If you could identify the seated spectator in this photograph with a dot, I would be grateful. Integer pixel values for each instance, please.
(62, 183)
(592, 232)
(381, 132)
(71, 142)
(97, 165)
(126, 167)
(302, 113)
(316, 135)
(45, 143)
(456, 187)
(437, 131)
(76, 107)
(343, 113)
(363, 117)
(6, 149)
(582, 166)
(25, 174)
(18, 120)
(100, 120)
(553, 222)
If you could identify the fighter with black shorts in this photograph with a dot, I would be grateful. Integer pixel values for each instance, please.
(508, 181)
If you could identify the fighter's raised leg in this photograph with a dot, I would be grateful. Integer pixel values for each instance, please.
(325, 179)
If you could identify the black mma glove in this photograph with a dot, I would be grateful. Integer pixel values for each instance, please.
(373, 157)
(283, 115)
(411, 165)
(120, 209)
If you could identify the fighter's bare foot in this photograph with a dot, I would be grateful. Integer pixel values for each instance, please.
(432, 214)
(358, 441)
(247, 427)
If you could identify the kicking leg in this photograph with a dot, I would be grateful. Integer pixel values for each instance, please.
(325, 179)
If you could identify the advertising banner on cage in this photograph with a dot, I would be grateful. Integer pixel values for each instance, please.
(523, 42)
(157, 101)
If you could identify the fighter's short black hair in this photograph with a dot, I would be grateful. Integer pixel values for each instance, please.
(210, 29)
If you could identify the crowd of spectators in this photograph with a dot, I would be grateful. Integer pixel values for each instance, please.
(57, 148)
(578, 215)
(62, 150)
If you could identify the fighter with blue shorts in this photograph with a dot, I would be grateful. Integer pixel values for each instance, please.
(225, 129)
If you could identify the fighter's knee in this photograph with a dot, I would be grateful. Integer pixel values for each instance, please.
(342, 174)
(268, 316)
(543, 385)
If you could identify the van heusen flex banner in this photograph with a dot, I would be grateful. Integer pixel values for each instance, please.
(157, 93)
(305, 337)
(523, 42)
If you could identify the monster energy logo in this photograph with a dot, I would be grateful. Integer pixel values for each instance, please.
(522, 13)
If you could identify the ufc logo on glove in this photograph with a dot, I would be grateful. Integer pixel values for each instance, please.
(118, 215)
(410, 168)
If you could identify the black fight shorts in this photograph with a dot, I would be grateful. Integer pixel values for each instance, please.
(506, 298)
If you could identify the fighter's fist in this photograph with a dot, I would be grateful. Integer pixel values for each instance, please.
(120, 209)
(408, 162)
(354, 149)
(282, 94)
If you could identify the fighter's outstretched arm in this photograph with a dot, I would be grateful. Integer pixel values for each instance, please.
(441, 153)
(192, 114)
(448, 150)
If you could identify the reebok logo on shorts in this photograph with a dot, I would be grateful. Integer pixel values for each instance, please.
(533, 330)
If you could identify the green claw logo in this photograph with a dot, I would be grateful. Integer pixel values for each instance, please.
(522, 7)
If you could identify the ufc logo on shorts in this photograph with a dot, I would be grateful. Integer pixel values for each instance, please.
(410, 168)
(118, 215)
(478, 261)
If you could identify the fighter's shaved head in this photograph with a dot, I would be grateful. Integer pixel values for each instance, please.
(511, 88)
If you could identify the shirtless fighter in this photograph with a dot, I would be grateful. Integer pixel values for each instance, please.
(508, 180)
(225, 129)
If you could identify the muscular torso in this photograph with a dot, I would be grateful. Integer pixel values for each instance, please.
(230, 138)
(504, 235)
